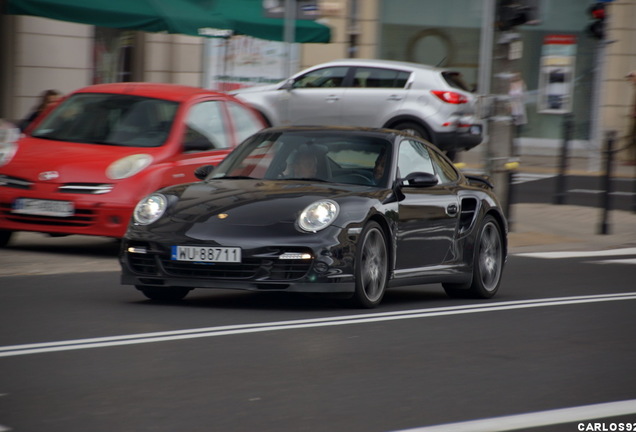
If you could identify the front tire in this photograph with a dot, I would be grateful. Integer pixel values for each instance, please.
(487, 264)
(163, 294)
(372, 267)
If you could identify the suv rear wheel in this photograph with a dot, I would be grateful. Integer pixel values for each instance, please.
(413, 129)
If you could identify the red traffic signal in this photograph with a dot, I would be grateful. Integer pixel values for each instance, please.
(597, 28)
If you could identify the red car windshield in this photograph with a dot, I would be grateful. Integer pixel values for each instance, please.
(113, 119)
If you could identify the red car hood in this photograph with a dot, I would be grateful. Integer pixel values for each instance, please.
(74, 162)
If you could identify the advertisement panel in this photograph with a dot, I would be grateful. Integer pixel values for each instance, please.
(244, 61)
(556, 74)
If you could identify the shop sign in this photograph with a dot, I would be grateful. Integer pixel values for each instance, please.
(556, 74)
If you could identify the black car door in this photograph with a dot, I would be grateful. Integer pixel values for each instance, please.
(428, 215)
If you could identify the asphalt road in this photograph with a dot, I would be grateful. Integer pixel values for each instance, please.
(586, 191)
(80, 352)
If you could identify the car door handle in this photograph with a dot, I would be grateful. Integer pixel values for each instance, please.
(452, 209)
(394, 98)
(332, 98)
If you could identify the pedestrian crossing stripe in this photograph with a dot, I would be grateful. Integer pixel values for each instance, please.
(518, 178)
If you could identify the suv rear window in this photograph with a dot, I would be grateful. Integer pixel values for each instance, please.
(455, 80)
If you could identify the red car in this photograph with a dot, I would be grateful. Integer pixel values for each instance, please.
(84, 165)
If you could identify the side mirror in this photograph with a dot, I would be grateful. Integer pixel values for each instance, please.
(288, 85)
(203, 171)
(419, 179)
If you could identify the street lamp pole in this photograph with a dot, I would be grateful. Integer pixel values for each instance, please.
(289, 34)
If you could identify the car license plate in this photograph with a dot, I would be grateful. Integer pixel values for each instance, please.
(475, 130)
(206, 254)
(41, 207)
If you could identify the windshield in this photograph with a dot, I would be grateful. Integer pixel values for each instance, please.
(309, 155)
(115, 119)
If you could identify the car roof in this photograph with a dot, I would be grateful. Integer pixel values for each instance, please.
(382, 63)
(387, 133)
(174, 92)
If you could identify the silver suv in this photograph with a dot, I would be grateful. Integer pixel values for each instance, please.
(425, 101)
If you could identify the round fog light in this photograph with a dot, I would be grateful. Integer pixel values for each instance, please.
(320, 267)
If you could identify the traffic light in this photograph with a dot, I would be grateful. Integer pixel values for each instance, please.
(511, 13)
(597, 28)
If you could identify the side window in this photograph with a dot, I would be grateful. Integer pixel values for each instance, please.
(414, 157)
(380, 78)
(205, 128)
(445, 171)
(246, 122)
(326, 77)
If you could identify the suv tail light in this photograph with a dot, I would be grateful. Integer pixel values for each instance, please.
(450, 96)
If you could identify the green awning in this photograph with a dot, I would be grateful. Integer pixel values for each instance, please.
(189, 17)
(247, 18)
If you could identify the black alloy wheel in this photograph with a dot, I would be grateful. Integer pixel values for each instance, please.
(372, 267)
(488, 264)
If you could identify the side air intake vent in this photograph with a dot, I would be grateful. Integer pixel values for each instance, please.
(467, 214)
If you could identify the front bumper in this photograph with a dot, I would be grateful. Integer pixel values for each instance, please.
(327, 267)
(94, 213)
(89, 218)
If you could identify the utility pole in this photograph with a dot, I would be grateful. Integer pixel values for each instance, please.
(289, 34)
(504, 44)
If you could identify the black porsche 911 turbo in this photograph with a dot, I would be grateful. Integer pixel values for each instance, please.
(345, 211)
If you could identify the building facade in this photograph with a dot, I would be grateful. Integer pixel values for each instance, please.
(38, 54)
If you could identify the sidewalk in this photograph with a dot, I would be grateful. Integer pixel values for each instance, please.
(549, 227)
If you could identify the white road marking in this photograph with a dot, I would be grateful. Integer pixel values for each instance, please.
(132, 339)
(579, 254)
(537, 419)
(596, 192)
(631, 261)
(517, 178)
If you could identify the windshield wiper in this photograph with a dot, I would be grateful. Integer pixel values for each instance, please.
(235, 178)
(307, 179)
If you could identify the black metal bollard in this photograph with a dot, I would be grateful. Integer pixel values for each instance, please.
(607, 182)
(559, 195)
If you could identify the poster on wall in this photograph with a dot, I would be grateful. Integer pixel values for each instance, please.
(556, 74)
(244, 61)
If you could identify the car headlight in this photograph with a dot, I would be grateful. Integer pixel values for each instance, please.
(7, 151)
(9, 136)
(128, 166)
(150, 209)
(318, 215)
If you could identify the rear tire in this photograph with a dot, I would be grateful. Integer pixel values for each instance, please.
(487, 264)
(372, 267)
(163, 294)
(413, 129)
(5, 237)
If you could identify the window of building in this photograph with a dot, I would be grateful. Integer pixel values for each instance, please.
(113, 55)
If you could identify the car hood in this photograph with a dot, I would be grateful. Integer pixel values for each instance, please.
(255, 89)
(74, 162)
(262, 203)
